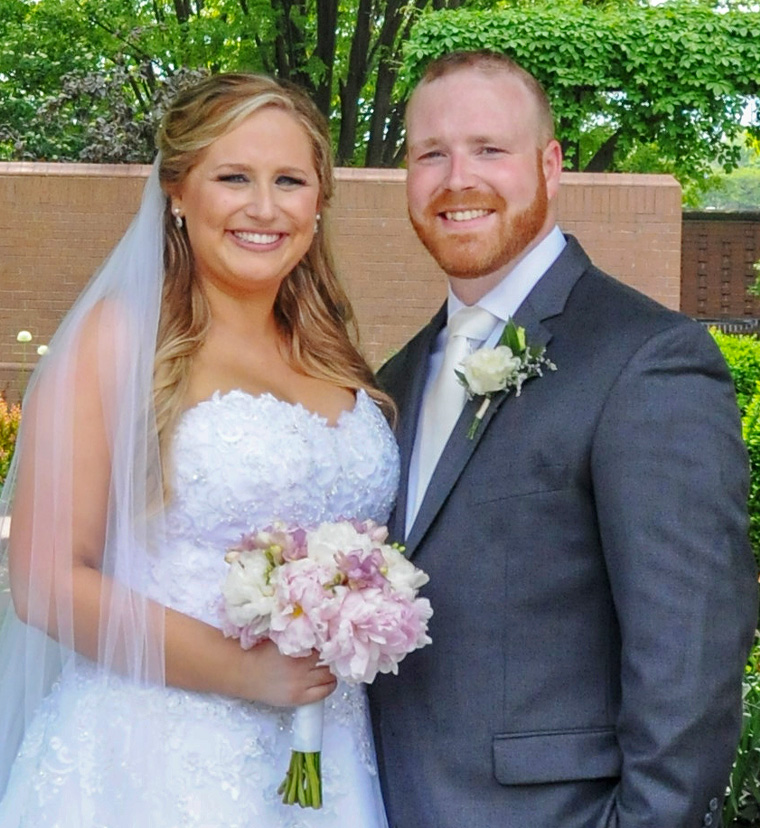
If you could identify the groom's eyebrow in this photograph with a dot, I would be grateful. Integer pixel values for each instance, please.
(425, 143)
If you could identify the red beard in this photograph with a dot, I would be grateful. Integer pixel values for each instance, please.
(471, 255)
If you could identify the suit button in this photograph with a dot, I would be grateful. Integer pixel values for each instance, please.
(714, 804)
(708, 820)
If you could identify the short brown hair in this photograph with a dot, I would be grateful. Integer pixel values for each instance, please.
(491, 63)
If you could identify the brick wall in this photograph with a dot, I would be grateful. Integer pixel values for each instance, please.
(716, 270)
(58, 221)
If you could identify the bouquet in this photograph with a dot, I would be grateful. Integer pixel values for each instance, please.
(339, 589)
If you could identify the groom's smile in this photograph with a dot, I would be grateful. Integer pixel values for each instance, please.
(477, 176)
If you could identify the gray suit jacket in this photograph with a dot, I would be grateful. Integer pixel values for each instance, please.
(593, 587)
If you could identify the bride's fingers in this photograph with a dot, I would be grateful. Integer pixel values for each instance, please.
(285, 681)
(321, 690)
(318, 678)
(320, 674)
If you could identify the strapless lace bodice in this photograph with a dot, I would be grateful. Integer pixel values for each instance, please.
(241, 462)
(238, 463)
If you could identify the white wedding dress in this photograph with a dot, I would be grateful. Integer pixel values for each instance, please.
(240, 462)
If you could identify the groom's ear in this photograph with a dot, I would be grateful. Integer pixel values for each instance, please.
(551, 162)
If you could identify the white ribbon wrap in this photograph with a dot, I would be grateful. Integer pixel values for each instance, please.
(307, 727)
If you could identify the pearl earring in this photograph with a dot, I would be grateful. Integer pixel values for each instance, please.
(177, 213)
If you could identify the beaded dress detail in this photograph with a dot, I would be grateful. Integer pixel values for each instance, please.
(239, 463)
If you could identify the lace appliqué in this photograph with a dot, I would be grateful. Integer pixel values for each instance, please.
(240, 462)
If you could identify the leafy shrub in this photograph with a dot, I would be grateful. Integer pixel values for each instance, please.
(751, 434)
(742, 353)
(742, 807)
(10, 417)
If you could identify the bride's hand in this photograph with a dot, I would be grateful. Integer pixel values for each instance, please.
(283, 681)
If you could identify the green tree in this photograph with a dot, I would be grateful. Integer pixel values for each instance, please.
(738, 190)
(670, 81)
(84, 79)
(635, 87)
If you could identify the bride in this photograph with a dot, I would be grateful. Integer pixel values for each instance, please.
(203, 386)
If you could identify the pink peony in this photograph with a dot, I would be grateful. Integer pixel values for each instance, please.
(338, 588)
(370, 631)
(301, 602)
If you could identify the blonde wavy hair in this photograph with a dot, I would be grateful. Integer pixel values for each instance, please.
(312, 310)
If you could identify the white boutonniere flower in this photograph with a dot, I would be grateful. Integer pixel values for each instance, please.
(503, 368)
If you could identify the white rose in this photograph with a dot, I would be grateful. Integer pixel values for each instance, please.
(402, 574)
(324, 542)
(490, 369)
(248, 595)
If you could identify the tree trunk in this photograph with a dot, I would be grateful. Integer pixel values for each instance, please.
(327, 25)
(386, 78)
(182, 10)
(603, 157)
(386, 144)
(350, 91)
(394, 146)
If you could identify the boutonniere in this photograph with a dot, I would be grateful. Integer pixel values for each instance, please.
(503, 368)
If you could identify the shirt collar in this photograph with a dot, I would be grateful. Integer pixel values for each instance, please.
(505, 298)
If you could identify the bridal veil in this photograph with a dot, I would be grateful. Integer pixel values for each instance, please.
(109, 338)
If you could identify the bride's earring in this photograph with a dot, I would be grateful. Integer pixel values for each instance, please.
(316, 222)
(177, 213)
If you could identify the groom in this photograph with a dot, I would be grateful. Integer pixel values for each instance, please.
(594, 591)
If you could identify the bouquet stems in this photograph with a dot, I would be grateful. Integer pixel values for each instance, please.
(303, 781)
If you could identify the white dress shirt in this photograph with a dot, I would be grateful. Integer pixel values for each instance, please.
(502, 301)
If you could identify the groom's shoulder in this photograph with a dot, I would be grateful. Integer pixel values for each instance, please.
(609, 303)
(615, 317)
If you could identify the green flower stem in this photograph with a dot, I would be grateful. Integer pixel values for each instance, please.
(303, 781)
(314, 777)
(472, 431)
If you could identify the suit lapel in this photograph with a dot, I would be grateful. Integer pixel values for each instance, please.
(408, 396)
(546, 300)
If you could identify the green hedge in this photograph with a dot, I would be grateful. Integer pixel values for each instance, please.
(742, 354)
(742, 808)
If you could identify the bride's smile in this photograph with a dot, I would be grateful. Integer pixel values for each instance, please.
(250, 203)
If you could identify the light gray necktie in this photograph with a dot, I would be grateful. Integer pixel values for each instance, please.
(467, 329)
